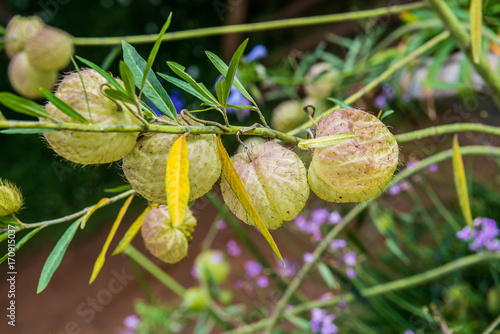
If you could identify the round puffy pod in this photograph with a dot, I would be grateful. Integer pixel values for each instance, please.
(19, 30)
(50, 49)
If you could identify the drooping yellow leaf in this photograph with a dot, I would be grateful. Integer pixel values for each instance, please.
(91, 212)
(461, 182)
(177, 180)
(325, 141)
(476, 28)
(131, 232)
(234, 181)
(100, 259)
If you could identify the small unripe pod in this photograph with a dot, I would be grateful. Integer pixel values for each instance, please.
(144, 167)
(11, 199)
(276, 183)
(196, 299)
(288, 115)
(357, 169)
(19, 30)
(26, 79)
(50, 49)
(320, 80)
(211, 263)
(167, 242)
(88, 147)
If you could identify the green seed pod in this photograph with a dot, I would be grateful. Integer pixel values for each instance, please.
(357, 169)
(26, 79)
(50, 49)
(196, 299)
(288, 115)
(19, 30)
(212, 264)
(275, 180)
(167, 242)
(11, 199)
(145, 166)
(320, 80)
(89, 147)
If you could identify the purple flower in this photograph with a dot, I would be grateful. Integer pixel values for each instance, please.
(334, 218)
(465, 233)
(291, 267)
(350, 259)
(262, 282)
(319, 216)
(232, 248)
(238, 284)
(411, 165)
(486, 234)
(317, 317)
(217, 258)
(408, 331)
(308, 257)
(132, 321)
(351, 273)
(380, 101)
(317, 236)
(221, 224)
(338, 244)
(253, 268)
(289, 308)
(493, 245)
(258, 52)
(395, 189)
(326, 296)
(194, 272)
(179, 103)
(328, 327)
(342, 303)
(387, 91)
(433, 168)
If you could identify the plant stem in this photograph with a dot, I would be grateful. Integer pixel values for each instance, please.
(264, 132)
(383, 76)
(461, 37)
(323, 246)
(250, 27)
(492, 326)
(381, 289)
(447, 128)
(154, 270)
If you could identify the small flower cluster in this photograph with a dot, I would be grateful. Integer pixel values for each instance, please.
(483, 235)
(405, 185)
(131, 323)
(321, 322)
(319, 217)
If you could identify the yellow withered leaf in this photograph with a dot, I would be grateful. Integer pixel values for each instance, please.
(325, 141)
(476, 28)
(234, 181)
(461, 182)
(131, 232)
(177, 180)
(100, 259)
(91, 211)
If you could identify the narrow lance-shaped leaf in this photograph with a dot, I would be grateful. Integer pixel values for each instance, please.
(21, 242)
(340, 103)
(91, 211)
(55, 257)
(131, 232)
(101, 258)
(234, 181)
(461, 182)
(117, 95)
(325, 141)
(152, 88)
(128, 80)
(326, 274)
(182, 85)
(177, 180)
(154, 51)
(102, 72)
(64, 107)
(476, 31)
(24, 106)
(231, 72)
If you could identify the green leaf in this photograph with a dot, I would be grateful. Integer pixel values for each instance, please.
(102, 72)
(131, 232)
(101, 258)
(340, 103)
(24, 106)
(25, 131)
(461, 182)
(118, 95)
(231, 72)
(55, 257)
(386, 113)
(207, 97)
(438, 61)
(4, 236)
(154, 51)
(118, 189)
(222, 68)
(476, 31)
(326, 274)
(62, 106)
(128, 80)
(5, 221)
(152, 88)
(21, 242)
(325, 141)
(182, 85)
(234, 181)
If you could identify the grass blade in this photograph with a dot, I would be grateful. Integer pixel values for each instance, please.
(101, 258)
(63, 107)
(55, 257)
(461, 182)
(177, 181)
(476, 31)
(234, 181)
